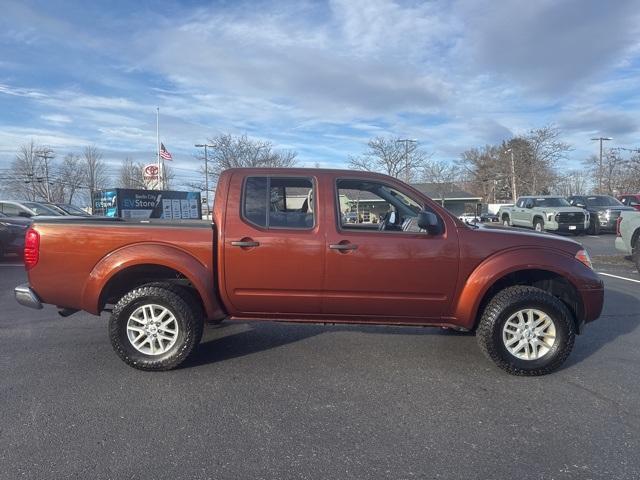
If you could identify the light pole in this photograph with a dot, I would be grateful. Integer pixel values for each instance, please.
(514, 195)
(46, 155)
(406, 142)
(206, 173)
(600, 139)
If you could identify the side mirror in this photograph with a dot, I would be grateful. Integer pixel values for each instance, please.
(24, 214)
(429, 222)
(529, 205)
(580, 205)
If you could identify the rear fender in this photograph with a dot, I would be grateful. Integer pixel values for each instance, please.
(498, 266)
(198, 274)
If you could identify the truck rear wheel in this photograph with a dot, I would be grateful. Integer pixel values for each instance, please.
(155, 326)
(526, 331)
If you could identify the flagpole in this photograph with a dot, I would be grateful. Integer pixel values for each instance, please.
(158, 144)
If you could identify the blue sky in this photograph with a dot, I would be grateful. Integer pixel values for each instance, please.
(317, 77)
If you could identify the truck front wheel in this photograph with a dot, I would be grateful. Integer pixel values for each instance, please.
(526, 331)
(538, 225)
(155, 327)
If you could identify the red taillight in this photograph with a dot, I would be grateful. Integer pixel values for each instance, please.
(618, 222)
(31, 249)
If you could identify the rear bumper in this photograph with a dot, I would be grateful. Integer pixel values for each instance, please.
(26, 297)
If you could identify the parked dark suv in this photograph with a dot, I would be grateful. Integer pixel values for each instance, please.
(604, 211)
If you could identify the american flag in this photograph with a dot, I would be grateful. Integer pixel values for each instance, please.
(164, 153)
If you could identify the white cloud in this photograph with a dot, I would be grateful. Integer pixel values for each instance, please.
(56, 119)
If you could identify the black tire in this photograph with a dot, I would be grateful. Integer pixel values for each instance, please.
(594, 226)
(180, 303)
(536, 222)
(506, 303)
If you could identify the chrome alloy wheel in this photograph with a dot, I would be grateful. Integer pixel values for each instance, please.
(152, 329)
(529, 334)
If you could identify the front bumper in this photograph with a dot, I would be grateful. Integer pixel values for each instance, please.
(26, 297)
(622, 247)
(570, 227)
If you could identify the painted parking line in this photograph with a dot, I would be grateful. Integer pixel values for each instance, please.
(617, 276)
(11, 265)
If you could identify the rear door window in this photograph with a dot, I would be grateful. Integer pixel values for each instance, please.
(10, 210)
(279, 202)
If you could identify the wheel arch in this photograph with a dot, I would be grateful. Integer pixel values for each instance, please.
(134, 265)
(548, 270)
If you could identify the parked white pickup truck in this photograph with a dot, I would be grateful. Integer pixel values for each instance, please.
(628, 235)
(545, 212)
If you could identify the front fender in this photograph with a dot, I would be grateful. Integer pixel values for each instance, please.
(501, 264)
(201, 277)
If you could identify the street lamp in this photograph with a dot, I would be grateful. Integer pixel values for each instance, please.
(600, 139)
(406, 142)
(206, 173)
(513, 175)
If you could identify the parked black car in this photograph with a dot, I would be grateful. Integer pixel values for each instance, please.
(12, 231)
(604, 211)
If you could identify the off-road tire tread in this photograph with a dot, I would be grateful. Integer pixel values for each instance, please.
(182, 303)
(492, 314)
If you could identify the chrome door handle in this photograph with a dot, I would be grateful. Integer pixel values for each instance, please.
(343, 246)
(245, 243)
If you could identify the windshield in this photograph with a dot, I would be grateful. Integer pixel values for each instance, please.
(40, 209)
(551, 202)
(73, 210)
(602, 201)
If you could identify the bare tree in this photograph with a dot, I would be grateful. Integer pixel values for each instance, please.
(231, 151)
(572, 182)
(131, 175)
(487, 175)
(388, 155)
(95, 170)
(442, 175)
(70, 178)
(32, 172)
(24, 173)
(546, 150)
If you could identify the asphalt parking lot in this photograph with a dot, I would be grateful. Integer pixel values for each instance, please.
(291, 401)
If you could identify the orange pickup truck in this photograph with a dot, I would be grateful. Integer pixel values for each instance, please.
(284, 246)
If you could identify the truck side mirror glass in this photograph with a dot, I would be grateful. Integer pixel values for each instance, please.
(429, 222)
(529, 205)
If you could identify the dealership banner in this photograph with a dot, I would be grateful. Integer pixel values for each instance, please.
(167, 204)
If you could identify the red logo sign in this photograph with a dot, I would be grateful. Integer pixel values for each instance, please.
(150, 172)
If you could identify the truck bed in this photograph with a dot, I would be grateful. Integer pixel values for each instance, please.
(76, 247)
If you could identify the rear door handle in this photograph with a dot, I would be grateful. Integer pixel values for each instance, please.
(245, 243)
(343, 246)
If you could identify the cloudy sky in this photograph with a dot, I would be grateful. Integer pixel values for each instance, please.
(317, 77)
